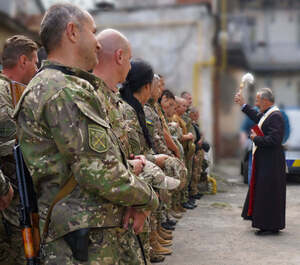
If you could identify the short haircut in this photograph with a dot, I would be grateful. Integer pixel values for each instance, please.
(266, 93)
(184, 93)
(16, 46)
(168, 94)
(55, 22)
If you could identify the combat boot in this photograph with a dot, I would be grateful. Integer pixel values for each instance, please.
(180, 208)
(176, 215)
(157, 248)
(154, 258)
(160, 228)
(162, 241)
(164, 235)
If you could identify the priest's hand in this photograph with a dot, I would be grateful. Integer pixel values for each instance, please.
(252, 134)
(239, 98)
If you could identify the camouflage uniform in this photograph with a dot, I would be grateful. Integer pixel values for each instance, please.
(63, 131)
(176, 133)
(12, 247)
(151, 173)
(189, 150)
(174, 167)
(197, 167)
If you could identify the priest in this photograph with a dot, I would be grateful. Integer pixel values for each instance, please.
(266, 199)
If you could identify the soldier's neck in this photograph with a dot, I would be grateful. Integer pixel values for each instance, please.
(109, 79)
(67, 60)
(12, 74)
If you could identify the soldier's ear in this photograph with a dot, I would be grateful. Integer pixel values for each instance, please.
(119, 56)
(22, 61)
(72, 32)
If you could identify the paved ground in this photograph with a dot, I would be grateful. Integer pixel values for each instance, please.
(215, 234)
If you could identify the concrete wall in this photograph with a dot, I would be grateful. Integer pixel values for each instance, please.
(173, 39)
(144, 3)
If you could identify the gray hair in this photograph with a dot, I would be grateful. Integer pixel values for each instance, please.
(55, 22)
(266, 93)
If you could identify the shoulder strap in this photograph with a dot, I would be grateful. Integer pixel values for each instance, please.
(61, 68)
(64, 191)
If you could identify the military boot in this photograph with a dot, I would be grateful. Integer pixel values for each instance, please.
(162, 241)
(176, 215)
(159, 227)
(158, 248)
(164, 235)
(154, 258)
(180, 208)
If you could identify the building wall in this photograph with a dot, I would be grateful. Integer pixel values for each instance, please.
(173, 40)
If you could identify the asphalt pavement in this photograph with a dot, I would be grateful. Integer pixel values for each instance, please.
(215, 234)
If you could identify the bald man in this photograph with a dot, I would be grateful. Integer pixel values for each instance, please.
(114, 58)
(113, 67)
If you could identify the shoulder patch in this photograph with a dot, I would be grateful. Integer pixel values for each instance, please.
(97, 138)
(149, 122)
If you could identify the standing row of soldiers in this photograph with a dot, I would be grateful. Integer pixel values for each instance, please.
(131, 160)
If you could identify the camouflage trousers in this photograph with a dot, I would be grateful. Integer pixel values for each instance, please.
(203, 182)
(11, 247)
(145, 240)
(176, 198)
(108, 246)
(196, 172)
(185, 191)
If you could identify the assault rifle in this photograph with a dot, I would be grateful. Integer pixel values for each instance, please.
(29, 218)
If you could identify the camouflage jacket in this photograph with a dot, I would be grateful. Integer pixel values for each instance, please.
(136, 137)
(7, 141)
(4, 185)
(7, 124)
(155, 128)
(187, 120)
(151, 173)
(63, 131)
(113, 106)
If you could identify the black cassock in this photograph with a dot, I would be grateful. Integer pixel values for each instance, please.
(270, 179)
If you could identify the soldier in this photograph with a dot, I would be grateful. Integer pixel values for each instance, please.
(136, 92)
(198, 156)
(200, 163)
(156, 129)
(113, 67)
(19, 59)
(67, 144)
(187, 140)
(169, 105)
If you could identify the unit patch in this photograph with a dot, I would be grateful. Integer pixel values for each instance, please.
(97, 138)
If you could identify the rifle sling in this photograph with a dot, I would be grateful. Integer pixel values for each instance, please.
(65, 190)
